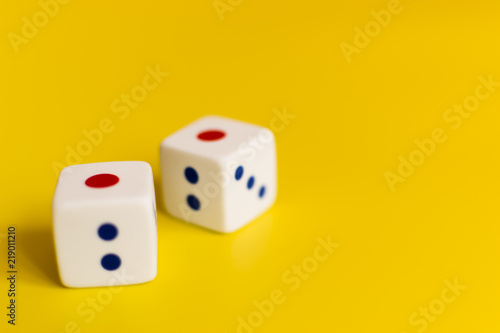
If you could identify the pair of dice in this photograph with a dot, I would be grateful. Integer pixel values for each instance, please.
(216, 172)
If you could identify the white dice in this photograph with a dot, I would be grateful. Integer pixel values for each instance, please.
(219, 173)
(104, 218)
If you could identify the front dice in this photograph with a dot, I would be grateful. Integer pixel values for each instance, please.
(104, 218)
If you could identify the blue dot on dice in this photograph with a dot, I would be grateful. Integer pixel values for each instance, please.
(239, 173)
(250, 182)
(191, 175)
(193, 202)
(111, 262)
(107, 231)
(262, 191)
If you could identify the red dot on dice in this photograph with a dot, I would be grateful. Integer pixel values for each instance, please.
(102, 180)
(211, 135)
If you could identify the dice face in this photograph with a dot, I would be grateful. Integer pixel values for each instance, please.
(104, 217)
(219, 173)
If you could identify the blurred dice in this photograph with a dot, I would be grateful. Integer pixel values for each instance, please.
(219, 173)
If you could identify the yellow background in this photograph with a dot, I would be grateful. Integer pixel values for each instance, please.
(352, 122)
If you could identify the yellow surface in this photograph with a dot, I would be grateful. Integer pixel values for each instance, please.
(358, 106)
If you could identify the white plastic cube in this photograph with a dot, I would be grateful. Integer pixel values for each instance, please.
(104, 217)
(219, 173)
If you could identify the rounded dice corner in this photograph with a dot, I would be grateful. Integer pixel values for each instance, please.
(65, 282)
(230, 229)
(152, 276)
